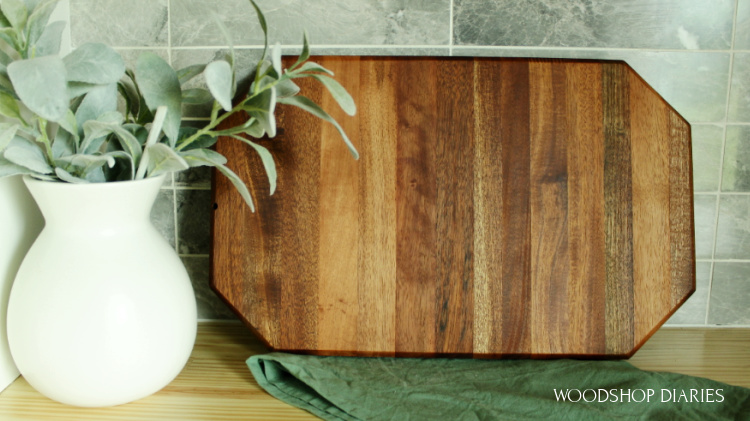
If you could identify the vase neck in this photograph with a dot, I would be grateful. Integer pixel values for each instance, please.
(78, 206)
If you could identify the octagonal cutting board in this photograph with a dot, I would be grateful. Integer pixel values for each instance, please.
(501, 207)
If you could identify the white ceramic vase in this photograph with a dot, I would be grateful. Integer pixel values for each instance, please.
(102, 311)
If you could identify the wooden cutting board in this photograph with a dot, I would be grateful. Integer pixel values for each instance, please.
(501, 207)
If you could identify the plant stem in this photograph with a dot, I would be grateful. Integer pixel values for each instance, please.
(45, 141)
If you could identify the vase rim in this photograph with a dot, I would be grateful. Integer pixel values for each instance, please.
(29, 179)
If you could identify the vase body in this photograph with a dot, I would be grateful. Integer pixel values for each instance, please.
(102, 311)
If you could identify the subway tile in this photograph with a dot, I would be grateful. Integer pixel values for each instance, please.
(678, 24)
(693, 311)
(739, 93)
(705, 225)
(134, 23)
(193, 221)
(210, 306)
(695, 84)
(162, 214)
(733, 231)
(706, 157)
(352, 22)
(742, 35)
(730, 293)
(736, 174)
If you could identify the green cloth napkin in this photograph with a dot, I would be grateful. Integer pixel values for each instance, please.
(346, 388)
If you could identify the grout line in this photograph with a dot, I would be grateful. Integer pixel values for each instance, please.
(193, 255)
(711, 326)
(708, 293)
(169, 32)
(726, 260)
(192, 187)
(450, 29)
(174, 203)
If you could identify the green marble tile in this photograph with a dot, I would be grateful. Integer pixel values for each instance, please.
(730, 294)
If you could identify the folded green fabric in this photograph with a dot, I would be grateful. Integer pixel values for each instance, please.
(345, 388)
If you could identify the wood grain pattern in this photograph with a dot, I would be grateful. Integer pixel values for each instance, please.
(216, 384)
(501, 207)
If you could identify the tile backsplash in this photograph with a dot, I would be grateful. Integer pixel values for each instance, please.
(695, 53)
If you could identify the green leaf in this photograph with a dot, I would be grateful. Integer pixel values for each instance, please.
(262, 107)
(9, 106)
(305, 51)
(204, 141)
(238, 184)
(68, 177)
(41, 84)
(309, 66)
(27, 155)
(49, 42)
(38, 20)
(94, 63)
(339, 93)
(99, 101)
(268, 163)
(263, 26)
(276, 58)
(219, 80)
(8, 168)
(254, 129)
(160, 86)
(187, 73)
(64, 144)
(196, 96)
(7, 133)
(162, 159)
(203, 157)
(286, 88)
(308, 105)
(15, 11)
(76, 89)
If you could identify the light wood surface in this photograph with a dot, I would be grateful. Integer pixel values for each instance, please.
(217, 385)
(501, 207)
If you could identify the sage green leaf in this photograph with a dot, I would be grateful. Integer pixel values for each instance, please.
(69, 123)
(8, 168)
(238, 184)
(203, 157)
(338, 92)
(85, 162)
(310, 66)
(15, 11)
(286, 88)
(268, 163)
(262, 107)
(130, 145)
(64, 144)
(7, 133)
(49, 42)
(5, 59)
(228, 37)
(38, 20)
(187, 73)
(4, 23)
(305, 51)
(9, 106)
(162, 159)
(28, 156)
(68, 177)
(94, 63)
(219, 80)
(308, 105)
(160, 86)
(41, 84)
(255, 129)
(276, 58)
(76, 89)
(99, 101)
(263, 26)
(196, 96)
(203, 141)
(10, 37)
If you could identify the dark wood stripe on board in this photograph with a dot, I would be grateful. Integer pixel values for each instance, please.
(416, 215)
(618, 209)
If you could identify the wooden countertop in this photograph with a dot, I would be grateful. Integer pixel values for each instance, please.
(216, 384)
